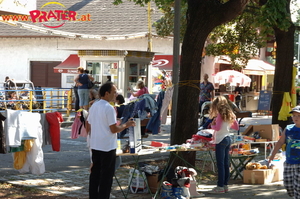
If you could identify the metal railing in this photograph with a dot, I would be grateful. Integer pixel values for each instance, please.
(44, 100)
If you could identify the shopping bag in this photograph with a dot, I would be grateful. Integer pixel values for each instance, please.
(136, 181)
(135, 138)
(90, 84)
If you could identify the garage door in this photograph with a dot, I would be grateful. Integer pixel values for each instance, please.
(42, 74)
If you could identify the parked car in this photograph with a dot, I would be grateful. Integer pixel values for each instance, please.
(17, 95)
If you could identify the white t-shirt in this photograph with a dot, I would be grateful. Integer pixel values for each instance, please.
(101, 116)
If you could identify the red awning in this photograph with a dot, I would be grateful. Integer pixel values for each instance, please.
(163, 62)
(70, 65)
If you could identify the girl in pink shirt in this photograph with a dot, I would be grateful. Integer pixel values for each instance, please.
(224, 119)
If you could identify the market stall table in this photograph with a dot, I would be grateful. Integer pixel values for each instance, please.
(136, 157)
(238, 163)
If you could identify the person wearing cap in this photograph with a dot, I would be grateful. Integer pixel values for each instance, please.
(291, 138)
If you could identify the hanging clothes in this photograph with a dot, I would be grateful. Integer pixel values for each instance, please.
(151, 105)
(154, 122)
(2, 135)
(21, 125)
(127, 112)
(165, 104)
(45, 128)
(20, 156)
(35, 157)
(285, 109)
(78, 126)
(54, 119)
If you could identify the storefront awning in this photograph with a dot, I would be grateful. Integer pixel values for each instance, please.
(163, 62)
(258, 67)
(70, 65)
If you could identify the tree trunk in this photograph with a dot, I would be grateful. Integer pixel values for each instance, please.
(283, 70)
(202, 17)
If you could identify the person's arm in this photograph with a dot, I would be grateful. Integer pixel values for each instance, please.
(87, 127)
(217, 123)
(116, 129)
(278, 145)
(212, 95)
(235, 125)
(212, 92)
(77, 81)
(134, 94)
(91, 78)
(139, 93)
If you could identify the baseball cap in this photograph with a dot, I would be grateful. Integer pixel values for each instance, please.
(295, 109)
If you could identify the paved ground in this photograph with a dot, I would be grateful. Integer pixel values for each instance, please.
(67, 171)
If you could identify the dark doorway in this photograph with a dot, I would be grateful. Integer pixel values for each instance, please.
(42, 74)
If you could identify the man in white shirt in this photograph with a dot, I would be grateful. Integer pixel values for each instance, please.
(102, 123)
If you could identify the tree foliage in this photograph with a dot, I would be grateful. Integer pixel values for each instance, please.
(240, 38)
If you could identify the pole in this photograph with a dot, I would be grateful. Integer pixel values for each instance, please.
(298, 48)
(175, 75)
(149, 49)
(149, 28)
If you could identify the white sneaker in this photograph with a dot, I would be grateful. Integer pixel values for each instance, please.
(226, 188)
(217, 190)
(112, 196)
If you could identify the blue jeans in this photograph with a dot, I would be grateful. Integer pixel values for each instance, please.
(222, 157)
(83, 97)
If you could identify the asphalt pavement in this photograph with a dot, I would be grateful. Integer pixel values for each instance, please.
(67, 171)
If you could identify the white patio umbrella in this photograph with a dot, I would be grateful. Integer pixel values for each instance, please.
(233, 77)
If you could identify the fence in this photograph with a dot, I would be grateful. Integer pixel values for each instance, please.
(40, 100)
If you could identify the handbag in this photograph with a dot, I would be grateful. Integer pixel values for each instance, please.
(90, 84)
(137, 181)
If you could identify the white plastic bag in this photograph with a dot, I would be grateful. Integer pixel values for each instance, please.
(136, 181)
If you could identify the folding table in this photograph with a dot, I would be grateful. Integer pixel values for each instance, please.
(239, 163)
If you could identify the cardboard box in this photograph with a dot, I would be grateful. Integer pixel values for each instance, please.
(261, 176)
(278, 174)
(266, 131)
(153, 183)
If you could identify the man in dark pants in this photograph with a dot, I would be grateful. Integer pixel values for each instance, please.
(238, 91)
(206, 91)
(102, 124)
(76, 98)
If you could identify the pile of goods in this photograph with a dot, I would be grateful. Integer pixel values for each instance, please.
(182, 186)
(242, 149)
(255, 165)
(255, 137)
(202, 139)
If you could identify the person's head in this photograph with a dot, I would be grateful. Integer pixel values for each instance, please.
(86, 71)
(80, 69)
(140, 84)
(205, 76)
(6, 78)
(220, 105)
(12, 94)
(296, 115)
(120, 99)
(237, 84)
(108, 91)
